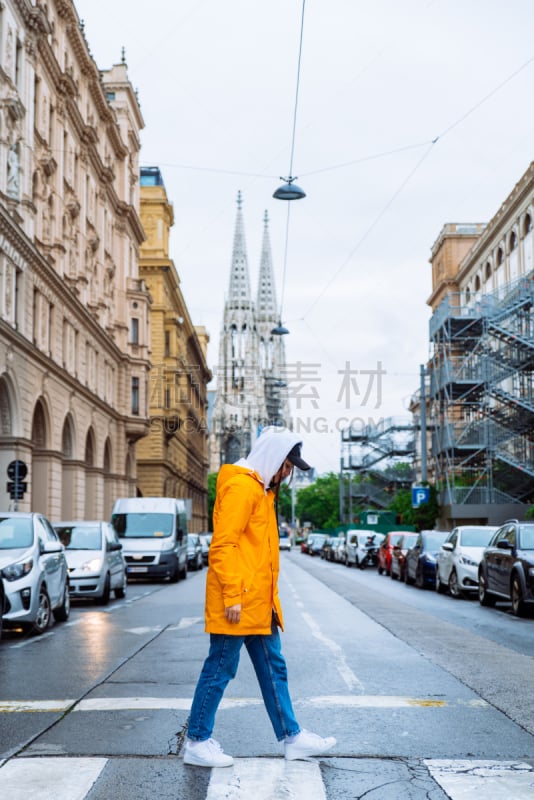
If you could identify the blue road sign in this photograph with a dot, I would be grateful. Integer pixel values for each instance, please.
(420, 495)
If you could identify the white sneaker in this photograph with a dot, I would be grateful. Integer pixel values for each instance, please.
(206, 754)
(306, 744)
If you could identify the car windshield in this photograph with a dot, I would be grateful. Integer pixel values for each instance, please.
(395, 539)
(143, 526)
(192, 539)
(15, 532)
(407, 541)
(80, 537)
(435, 540)
(526, 537)
(476, 537)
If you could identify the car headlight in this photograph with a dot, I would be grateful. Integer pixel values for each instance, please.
(15, 571)
(94, 565)
(468, 561)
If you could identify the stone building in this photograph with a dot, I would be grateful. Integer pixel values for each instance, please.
(73, 382)
(172, 460)
(251, 372)
(481, 392)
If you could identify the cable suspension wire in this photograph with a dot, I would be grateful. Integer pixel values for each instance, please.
(297, 91)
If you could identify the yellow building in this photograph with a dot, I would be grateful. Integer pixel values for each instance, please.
(172, 460)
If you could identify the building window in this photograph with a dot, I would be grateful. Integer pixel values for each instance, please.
(135, 396)
(135, 330)
(167, 343)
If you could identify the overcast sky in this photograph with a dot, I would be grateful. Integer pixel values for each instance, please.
(410, 115)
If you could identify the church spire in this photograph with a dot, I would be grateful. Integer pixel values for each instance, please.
(239, 288)
(266, 300)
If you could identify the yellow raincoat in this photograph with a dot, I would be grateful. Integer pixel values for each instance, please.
(244, 555)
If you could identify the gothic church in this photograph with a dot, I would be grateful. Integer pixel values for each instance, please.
(251, 391)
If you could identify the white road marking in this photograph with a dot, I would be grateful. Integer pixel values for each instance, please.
(184, 703)
(471, 780)
(265, 779)
(352, 681)
(43, 778)
(9, 706)
(142, 631)
(185, 622)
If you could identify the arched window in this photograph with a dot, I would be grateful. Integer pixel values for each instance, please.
(512, 242)
(527, 224)
(500, 256)
(487, 271)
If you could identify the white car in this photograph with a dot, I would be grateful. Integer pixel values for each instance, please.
(459, 557)
(94, 555)
(34, 572)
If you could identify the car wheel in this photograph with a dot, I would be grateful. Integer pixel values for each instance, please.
(419, 578)
(175, 574)
(440, 587)
(484, 597)
(454, 586)
(516, 593)
(103, 600)
(44, 612)
(120, 591)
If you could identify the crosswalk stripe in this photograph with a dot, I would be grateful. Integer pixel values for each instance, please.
(43, 778)
(265, 778)
(471, 780)
(184, 703)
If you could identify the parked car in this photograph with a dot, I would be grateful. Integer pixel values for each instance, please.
(340, 554)
(421, 558)
(355, 547)
(385, 550)
(314, 543)
(195, 560)
(285, 539)
(328, 550)
(95, 560)
(34, 570)
(459, 557)
(205, 541)
(398, 555)
(506, 570)
(2, 605)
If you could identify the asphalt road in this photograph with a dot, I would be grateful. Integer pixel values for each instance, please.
(428, 697)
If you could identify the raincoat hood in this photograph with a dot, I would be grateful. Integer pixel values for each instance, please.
(269, 452)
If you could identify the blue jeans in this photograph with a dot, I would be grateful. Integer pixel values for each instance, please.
(221, 666)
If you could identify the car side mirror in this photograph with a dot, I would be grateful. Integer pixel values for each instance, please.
(504, 544)
(447, 546)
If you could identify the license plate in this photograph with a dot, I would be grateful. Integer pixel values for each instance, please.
(137, 569)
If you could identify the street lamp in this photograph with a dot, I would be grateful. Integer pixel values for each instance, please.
(289, 190)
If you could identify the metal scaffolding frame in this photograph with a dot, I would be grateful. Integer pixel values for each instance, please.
(482, 398)
(374, 453)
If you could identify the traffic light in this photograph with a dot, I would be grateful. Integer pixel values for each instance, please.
(16, 490)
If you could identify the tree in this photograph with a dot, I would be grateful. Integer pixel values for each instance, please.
(424, 517)
(319, 503)
(212, 482)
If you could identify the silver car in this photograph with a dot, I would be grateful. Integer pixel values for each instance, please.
(34, 571)
(94, 554)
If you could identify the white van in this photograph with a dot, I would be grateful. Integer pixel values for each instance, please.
(153, 534)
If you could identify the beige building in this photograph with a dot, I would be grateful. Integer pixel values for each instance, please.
(173, 459)
(481, 392)
(73, 381)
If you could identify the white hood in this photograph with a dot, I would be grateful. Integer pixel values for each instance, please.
(269, 452)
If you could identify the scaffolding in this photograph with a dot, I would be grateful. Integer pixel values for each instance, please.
(481, 396)
(380, 457)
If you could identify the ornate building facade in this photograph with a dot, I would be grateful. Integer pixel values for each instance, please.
(73, 382)
(172, 461)
(251, 391)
